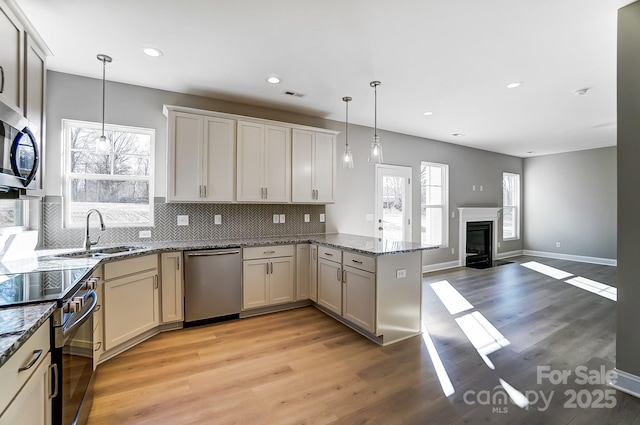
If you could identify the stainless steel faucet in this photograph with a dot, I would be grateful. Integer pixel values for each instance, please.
(88, 243)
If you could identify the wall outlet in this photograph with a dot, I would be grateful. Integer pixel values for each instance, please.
(183, 220)
(276, 218)
(321, 218)
(498, 244)
(401, 274)
(217, 219)
(368, 217)
(144, 234)
(557, 244)
(282, 218)
(481, 188)
(307, 218)
(453, 250)
(453, 214)
(474, 187)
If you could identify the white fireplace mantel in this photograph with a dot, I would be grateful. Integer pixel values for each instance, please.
(471, 214)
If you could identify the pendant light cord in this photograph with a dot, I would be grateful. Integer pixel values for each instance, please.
(375, 110)
(104, 66)
(346, 125)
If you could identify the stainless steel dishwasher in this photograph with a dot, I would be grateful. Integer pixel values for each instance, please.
(212, 286)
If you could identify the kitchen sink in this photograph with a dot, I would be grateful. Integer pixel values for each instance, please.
(100, 252)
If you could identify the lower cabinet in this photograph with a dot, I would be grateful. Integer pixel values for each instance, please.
(131, 302)
(313, 273)
(269, 280)
(172, 287)
(330, 285)
(302, 272)
(359, 298)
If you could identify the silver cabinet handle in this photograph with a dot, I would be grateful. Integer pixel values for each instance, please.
(98, 345)
(328, 254)
(204, 191)
(211, 253)
(34, 359)
(271, 267)
(155, 281)
(269, 252)
(54, 367)
(266, 193)
(357, 262)
(177, 263)
(2, 79)
(315, 255)
(338, 274)
(344, 276)
(317, 194)
(267, 264)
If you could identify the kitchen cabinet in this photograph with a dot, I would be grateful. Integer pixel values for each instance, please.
(172, 287)
(313, 166)
(359, 298)
(98, 318)
(263, 163)
(267, 276)
(201, 158)
(131, 299)
(25, 394)
(11, 59)
(303, 268)
(330, 279)
(313, 272)
(34, 99)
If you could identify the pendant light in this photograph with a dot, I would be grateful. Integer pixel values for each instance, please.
(375, 152)
(347, 161)
(102, 144)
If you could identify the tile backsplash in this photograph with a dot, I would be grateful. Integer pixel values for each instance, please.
(238, 221)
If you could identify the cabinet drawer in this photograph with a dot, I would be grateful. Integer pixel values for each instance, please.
(130, 266)
(267, 252)
(330, 254)
(12, 380)
(359, 261)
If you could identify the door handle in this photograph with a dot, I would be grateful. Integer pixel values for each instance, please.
(54, 368)
(34, 359)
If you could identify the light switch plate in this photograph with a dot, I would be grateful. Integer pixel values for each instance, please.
(282, 218)
(183, 220)
(217, 219)
(368, 217)
(276, 218)
(307, 218)
(143, 234)
(401, 273)
(321, 218)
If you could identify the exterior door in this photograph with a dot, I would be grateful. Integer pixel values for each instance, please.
(393, 202)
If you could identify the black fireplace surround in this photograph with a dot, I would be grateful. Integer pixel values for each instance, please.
(479, 244)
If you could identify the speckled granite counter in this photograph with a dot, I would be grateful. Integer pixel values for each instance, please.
(17, 324)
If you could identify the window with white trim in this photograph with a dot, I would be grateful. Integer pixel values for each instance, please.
(510, 206)
(434, 203)
(13, 216)
(116, 178)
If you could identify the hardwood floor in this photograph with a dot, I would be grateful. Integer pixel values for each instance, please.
(302, 367)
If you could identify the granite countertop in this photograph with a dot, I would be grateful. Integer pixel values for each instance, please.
(17, 324)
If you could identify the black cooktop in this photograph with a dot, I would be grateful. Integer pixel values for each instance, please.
(52, 285)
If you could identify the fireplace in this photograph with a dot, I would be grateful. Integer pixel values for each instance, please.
(479, 242)
(478, 218)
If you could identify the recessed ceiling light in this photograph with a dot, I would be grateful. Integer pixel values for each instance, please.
(514, 84)
(273, 80)
(152, 51)
(531, 152)
(428, 113)
(457, 134)
(581, 92)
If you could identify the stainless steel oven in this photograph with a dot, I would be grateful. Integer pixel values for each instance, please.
(73, 354)
(19, 153)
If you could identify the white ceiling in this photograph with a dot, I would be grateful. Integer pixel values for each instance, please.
(452, 57)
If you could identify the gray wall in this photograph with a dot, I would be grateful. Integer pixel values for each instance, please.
(79, 98)
(627, 336)
(571, 198)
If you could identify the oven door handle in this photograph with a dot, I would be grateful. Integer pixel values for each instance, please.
(75, 322)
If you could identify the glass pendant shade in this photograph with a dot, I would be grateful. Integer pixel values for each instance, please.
(375, 151)
(103, 145)
(347, 158)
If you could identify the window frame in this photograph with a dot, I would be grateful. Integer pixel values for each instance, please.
(67, 175)
(518, 210)
(445, 200)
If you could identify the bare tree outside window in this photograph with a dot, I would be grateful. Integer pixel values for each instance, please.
(434, 198)
(510, 206)
(117, 180)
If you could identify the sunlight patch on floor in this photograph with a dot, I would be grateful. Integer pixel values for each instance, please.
(516, 396)
(450, 297)
(484, 337)
(441, 372)
(595, 287)
(547, 270)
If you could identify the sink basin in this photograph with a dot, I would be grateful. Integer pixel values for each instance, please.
(101, 252)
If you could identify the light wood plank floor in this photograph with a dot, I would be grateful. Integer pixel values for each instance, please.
(302, 367)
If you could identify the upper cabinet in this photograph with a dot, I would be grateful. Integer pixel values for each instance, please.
(313, 166)
(264, 163)
(11, 58)
(201, 158)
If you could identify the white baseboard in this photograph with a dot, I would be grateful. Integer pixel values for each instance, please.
(626, 382)
(580, 258)
(440, 266)
(502, 255)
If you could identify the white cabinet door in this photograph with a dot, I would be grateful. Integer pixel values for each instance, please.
(11, 59)
(255, 283)
(359, 298)
(313, 273)
(302, 160)
(172, 295)
(32, 405)
(303, 268)
(131, 307)
(250, 167)
(325, 167)
(219, 156)
(281, 280)
(330, 285)
(277, 164)
(184, 156)
(34, 98)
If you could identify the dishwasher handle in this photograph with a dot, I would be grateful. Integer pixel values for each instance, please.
(211, 253)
